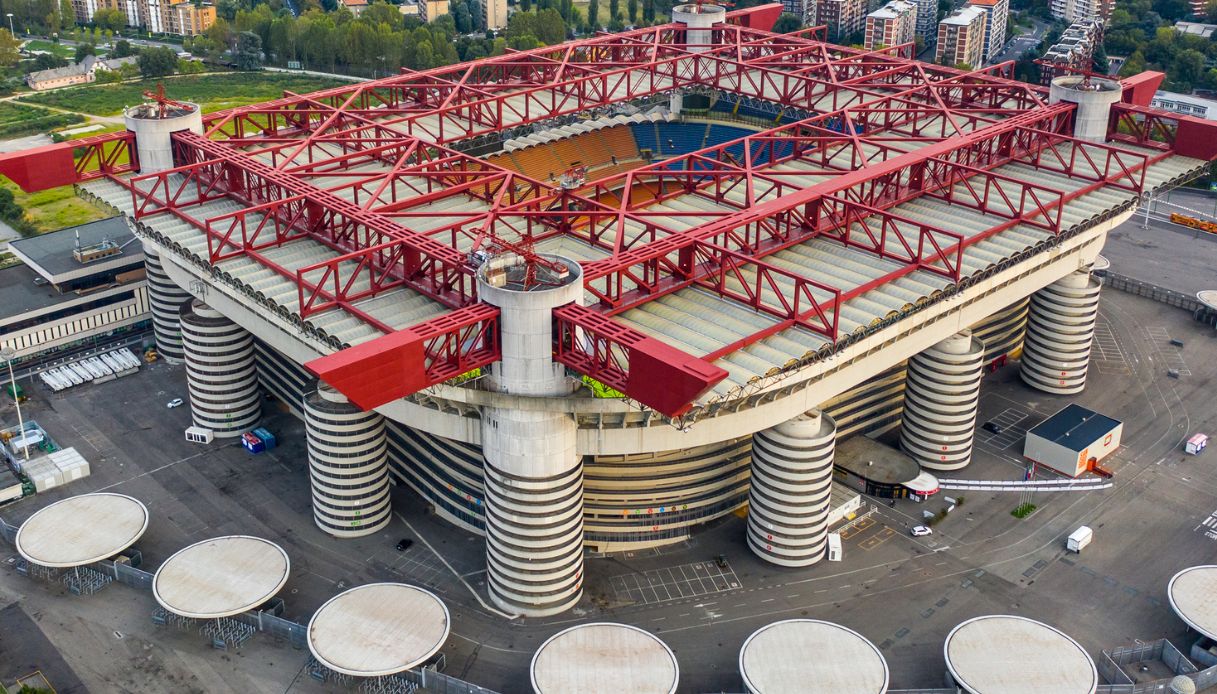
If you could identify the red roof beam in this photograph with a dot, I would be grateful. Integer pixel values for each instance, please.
(646, 369)
(404, 362)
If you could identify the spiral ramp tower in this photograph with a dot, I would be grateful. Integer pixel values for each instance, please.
(940, 401)
(533, 474)
(791, 490)
(166, 299)
(348, 465)
(220, 372)
(1060, 328)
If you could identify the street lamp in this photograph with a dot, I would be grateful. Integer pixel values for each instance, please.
(7, 354)
(10, 24)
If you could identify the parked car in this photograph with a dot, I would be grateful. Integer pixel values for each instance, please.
(992, 427)
(176, 402)
(921, 531)
(404, 544)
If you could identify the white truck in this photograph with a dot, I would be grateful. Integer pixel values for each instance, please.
(1079, 538)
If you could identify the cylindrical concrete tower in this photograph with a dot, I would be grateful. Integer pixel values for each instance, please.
(1094, 97)
(1060, 327)
(699, 19)
(166, 299)
(940, 399)
(224, 395)
(348, 465)
(533, 474)
(789, 500)
(153, 128)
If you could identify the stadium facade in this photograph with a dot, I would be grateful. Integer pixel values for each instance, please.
(560, 293)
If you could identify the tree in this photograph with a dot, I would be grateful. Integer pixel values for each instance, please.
(10, 53)
(593, 15)
(631, 9)
(157, 62)
(48, 61)
(614, 9)
(67, 16)
(122, 49)
(248, 51)
(85, 49)
(526, 5)
(107, 18)
(787, 23)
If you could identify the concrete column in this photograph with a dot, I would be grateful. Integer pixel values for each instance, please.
(941, 394)
(166, 299)
(348, 465)
(1093, 97)
(699, 19)
(789, 500)
(533, 473)
(1060, 328)
(153, 143)
(224, 392)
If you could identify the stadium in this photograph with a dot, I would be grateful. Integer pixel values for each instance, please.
(597, 294)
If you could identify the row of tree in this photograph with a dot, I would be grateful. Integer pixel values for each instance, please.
(1143, 32)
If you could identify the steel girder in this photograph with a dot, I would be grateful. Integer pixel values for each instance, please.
(295, 162)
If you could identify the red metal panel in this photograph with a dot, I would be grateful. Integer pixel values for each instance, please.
(1139, 89)
(41, 168)
(402, 363)
(65, 163)
(651, 372)
(1196, 138)
(375, 372)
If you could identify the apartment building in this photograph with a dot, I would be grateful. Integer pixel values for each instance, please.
(431, 10)
(1073, 49)
(997, 16)
(842, 17)
(961, 38)
(891, 25)
(927, 20)
(495, 12)
(1080, 10)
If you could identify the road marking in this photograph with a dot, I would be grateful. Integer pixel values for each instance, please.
(768, 600)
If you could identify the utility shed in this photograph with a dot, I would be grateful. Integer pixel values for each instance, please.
(1073, 440)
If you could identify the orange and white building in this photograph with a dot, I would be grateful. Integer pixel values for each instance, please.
(997, 16)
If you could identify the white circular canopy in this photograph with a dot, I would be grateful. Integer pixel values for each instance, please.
(82, 529)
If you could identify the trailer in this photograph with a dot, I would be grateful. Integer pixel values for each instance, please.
(1196, 444)
(1078, 539)
(81, 371)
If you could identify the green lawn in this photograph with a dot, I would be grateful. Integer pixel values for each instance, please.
(58, 49)
(213, 92)
(18, 121)
(54, 209)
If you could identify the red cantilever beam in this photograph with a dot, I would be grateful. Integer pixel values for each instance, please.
(655, 374)
(402, 363)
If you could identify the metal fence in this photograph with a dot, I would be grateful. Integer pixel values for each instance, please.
(8, 532)
(1111, 667)
(1163, 295)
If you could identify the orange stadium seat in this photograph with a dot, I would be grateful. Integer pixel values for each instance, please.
(619, 141)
